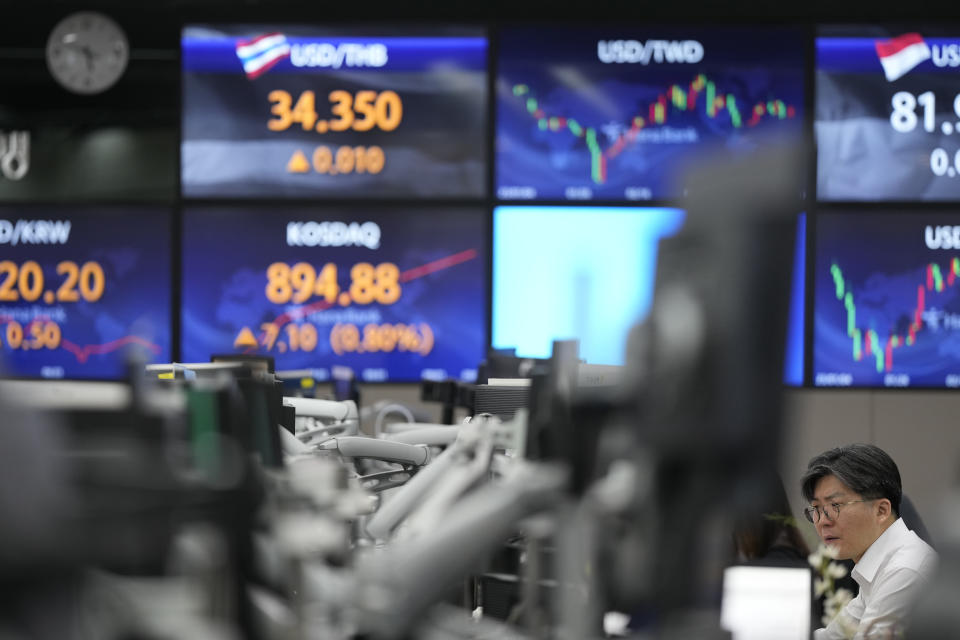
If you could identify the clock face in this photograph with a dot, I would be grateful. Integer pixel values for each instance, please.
(87, 52)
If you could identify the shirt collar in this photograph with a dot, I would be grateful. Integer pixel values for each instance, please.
(876, 553)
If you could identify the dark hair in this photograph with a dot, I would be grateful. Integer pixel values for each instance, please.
(765, 528)
(864, 468)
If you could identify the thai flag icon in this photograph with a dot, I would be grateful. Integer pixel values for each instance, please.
(261, 53)
(901, 54)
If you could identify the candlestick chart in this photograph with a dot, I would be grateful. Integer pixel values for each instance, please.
(887, 309)
(571, 127)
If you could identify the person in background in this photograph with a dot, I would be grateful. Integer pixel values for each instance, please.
(854, 494)
(768, 532)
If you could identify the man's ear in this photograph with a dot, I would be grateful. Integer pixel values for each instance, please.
(884, 508)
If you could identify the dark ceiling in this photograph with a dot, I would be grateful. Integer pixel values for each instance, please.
(149, 90)
(158, 15)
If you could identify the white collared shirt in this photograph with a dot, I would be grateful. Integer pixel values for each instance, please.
(890, 573)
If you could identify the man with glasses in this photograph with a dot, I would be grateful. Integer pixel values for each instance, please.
(854, 494)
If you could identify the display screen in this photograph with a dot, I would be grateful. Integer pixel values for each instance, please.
(887, 309)
(887, 114)
(394, 294)
(80, 287)
(762, 602)
(584, 273)
(298, 111)
(618, 113)
(589, 275)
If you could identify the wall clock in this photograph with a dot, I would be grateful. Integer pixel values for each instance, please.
(87, 52)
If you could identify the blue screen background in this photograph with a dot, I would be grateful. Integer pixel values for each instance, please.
(227, 251)
(132, 245)
(559, 71)
(882, 261)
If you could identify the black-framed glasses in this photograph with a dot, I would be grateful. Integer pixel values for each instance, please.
(830, 512)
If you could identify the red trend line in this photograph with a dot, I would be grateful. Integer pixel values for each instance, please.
(437, 265)
(406, 276)
(84, 352)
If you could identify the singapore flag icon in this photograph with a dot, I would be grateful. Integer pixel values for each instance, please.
(901, 54)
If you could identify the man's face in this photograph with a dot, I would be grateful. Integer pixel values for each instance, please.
(856, 527)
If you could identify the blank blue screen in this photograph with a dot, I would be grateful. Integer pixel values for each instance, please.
(584, 273)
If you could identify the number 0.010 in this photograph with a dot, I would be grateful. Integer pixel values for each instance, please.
(940, 163)
(348, 160)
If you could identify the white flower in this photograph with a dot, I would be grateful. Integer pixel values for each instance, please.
(831, 606)
(823, 586)
(820, 586)
(844, 623)
(847, 626)
(836, 570)
(842, 597)
(829, 613)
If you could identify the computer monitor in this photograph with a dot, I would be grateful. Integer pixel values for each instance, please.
(617, 112)
(81, 286)
(886, 306)
(767, 602)
(590, 276)
(334, 111)
(887, 114)
(584, 273)
(396, 294)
